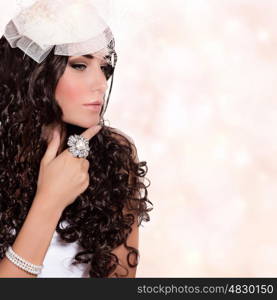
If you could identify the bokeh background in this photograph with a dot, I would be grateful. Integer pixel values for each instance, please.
(195, 88)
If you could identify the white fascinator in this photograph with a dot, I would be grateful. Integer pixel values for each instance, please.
(71, 27)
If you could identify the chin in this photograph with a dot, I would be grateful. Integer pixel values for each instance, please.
(84, 124)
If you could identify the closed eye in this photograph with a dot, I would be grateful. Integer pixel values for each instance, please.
(80, 67)
(106, 69)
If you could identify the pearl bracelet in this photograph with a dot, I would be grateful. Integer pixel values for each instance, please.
(22, 263)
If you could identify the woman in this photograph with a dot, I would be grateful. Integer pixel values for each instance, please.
(57, 203)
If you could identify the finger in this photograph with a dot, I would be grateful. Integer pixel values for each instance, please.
(91, 132)
(53, 146)
(85, 164)
(83, 161)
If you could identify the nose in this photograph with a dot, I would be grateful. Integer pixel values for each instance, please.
(98, 79)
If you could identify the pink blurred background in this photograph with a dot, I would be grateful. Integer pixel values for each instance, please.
(195, 89)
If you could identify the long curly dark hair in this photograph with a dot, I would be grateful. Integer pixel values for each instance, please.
(96, 219)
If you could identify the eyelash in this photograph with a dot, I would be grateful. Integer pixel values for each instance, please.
(81, 65)
(107, 69)
(77, 65)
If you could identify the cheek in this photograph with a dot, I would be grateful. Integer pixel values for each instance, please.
(67, 91)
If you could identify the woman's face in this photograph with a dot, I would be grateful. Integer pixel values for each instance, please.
(83, 82)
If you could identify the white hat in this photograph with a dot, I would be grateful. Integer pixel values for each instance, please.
(73, 27)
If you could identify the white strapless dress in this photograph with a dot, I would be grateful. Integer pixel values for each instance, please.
(57, 262)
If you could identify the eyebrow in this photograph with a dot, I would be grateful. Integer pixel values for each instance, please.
(88, 56)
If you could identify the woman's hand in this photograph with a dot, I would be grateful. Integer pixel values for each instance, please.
(64, 177)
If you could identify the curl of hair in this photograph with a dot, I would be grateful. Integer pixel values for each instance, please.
(95, 220)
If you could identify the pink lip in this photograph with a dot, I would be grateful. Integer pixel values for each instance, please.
(93, 107)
